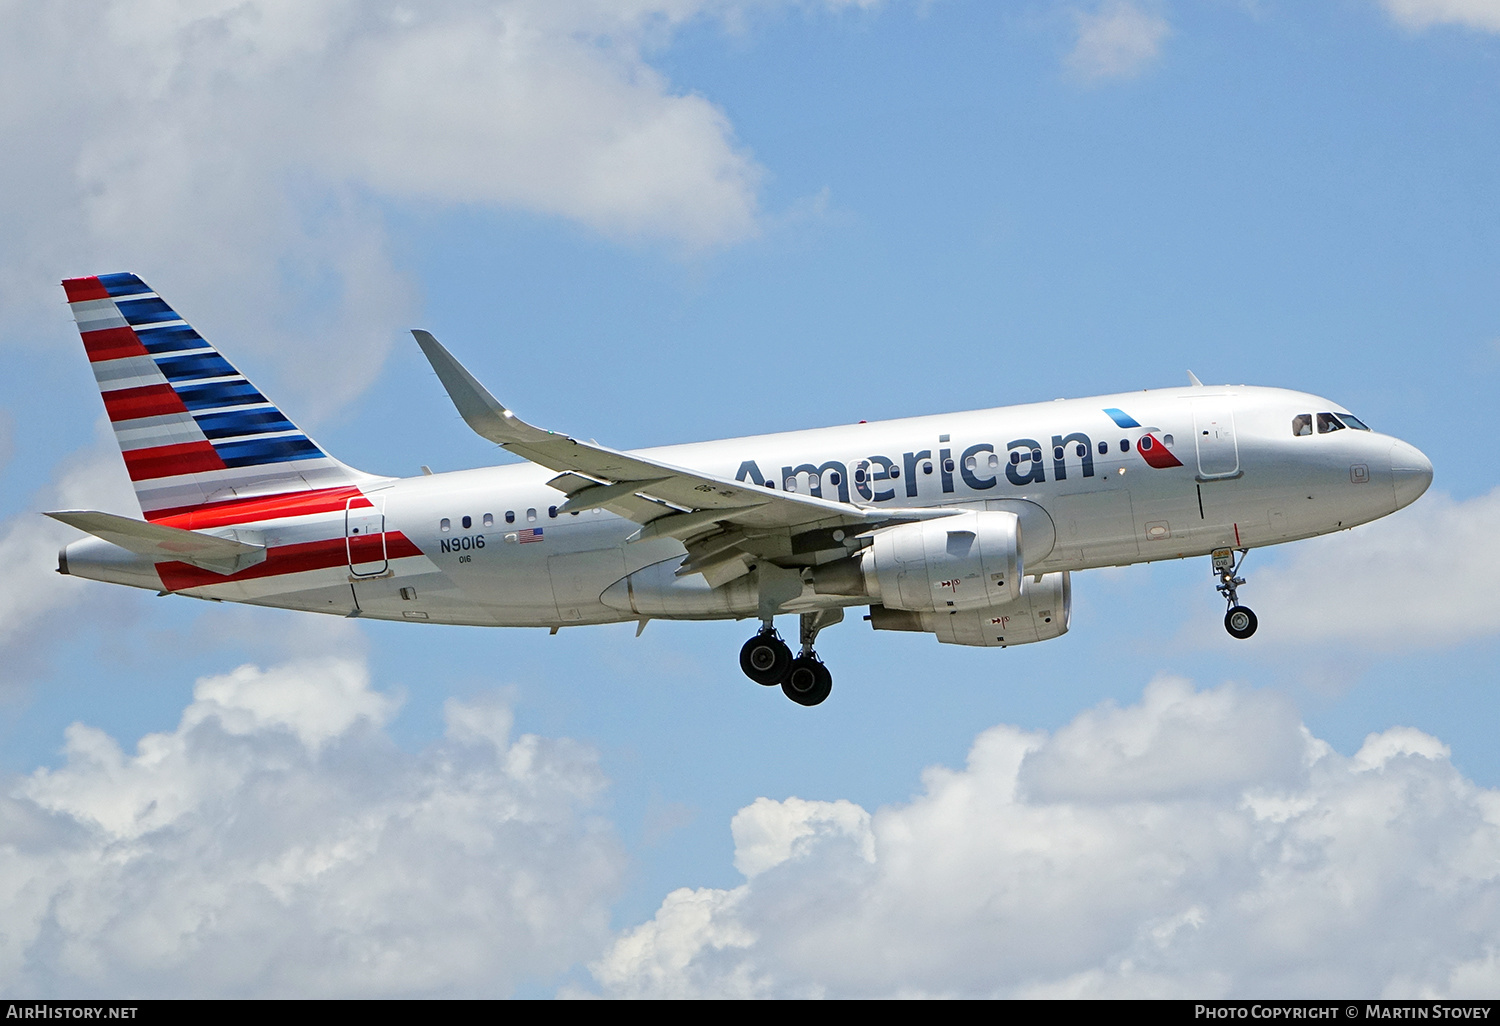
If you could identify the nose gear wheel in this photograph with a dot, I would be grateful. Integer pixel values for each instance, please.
(1239, 621)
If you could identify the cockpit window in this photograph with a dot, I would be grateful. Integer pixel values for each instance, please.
(1328, 422)
(1302, 424)
(1353, 421)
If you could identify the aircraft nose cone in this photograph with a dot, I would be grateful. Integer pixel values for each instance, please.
(1411, 471)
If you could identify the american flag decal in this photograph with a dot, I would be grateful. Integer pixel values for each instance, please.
(531, 534)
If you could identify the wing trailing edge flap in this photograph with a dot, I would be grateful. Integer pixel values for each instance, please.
(165, 544)
(668, 501)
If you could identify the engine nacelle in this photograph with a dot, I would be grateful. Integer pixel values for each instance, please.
(1040, 612)
(967, 561)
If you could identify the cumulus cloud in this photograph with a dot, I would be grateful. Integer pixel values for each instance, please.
(1422, 577)
(233, 152)
(1420, 14)
(1197, 843)
(32, 593)
(277, 843)
(1117, 40)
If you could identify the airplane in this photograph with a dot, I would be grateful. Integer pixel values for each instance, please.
(965, 526)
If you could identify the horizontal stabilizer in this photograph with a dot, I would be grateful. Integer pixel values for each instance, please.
(165, 544)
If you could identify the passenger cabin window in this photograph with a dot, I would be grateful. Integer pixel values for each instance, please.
(445, 524)
(552, 512)
(1167, 441)
(1328, 422)
(1302, 424)
(510, 516)
(468, 522)
(489, 520)
(531, 513)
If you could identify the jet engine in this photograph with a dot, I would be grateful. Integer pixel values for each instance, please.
(1040, 612)
(967, 561)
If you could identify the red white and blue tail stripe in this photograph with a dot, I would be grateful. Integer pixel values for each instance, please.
(193, 430)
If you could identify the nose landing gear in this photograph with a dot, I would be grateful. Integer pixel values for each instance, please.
(1239, 621)
(767, 660)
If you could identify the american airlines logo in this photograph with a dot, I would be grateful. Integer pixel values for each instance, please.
(979, 466)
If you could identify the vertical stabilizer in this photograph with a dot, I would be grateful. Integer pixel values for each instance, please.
(195, 433)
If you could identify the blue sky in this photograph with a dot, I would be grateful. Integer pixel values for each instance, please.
(670, 220)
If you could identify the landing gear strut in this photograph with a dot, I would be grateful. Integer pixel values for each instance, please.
(767, 660)
(1239, 621)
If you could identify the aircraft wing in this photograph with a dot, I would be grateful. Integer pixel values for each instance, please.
(667, 500)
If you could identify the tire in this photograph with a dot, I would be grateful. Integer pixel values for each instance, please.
(1240, 622)
(808, 682)
(765, 659)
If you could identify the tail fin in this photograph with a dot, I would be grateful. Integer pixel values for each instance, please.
(194, 432)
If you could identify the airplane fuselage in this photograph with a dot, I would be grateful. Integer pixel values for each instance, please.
(1103, 481)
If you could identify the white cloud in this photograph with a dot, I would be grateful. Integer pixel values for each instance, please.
(233, 152)
(32, 593)
(277, 843)
(1198, 843)
(1422, 577)
(1419, 14)
(1118, 40)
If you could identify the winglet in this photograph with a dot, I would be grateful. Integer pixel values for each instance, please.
(1193, 378)
(480, 410)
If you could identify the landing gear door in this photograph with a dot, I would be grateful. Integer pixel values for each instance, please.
(1213, 430)
(364, 537)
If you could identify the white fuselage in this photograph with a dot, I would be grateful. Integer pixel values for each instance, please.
(461, 548)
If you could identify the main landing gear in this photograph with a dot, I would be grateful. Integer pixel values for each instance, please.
(1239, 621)
(767, 660)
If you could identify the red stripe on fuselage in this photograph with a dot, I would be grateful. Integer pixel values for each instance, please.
(283, 559)
(172, 460)
(264, 507)
(79, 289)
(112, 344)
(145, 401)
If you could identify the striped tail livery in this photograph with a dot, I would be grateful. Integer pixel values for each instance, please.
(193, 430)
